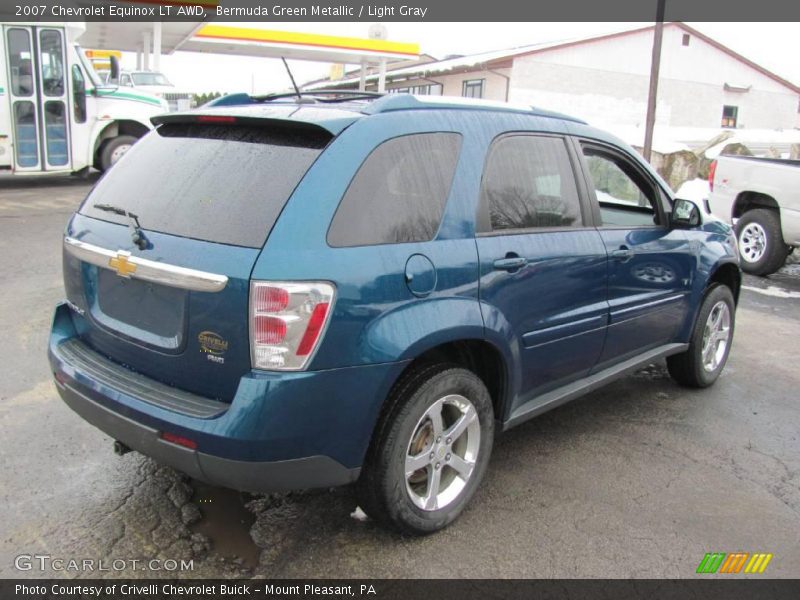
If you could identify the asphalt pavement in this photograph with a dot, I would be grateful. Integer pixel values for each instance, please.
(639, 479)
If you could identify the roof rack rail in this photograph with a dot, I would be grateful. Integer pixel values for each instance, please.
(312, 97)
(393, 102)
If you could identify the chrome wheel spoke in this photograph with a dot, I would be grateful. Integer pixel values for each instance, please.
(435, 415)
(431, 498)
(461, 466)
(415, 463)
(708, 353)
(708, 337)
(459, 427)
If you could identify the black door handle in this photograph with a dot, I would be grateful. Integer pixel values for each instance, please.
(623, 253)
(510, 263)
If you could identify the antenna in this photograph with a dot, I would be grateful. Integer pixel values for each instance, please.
(294, 85)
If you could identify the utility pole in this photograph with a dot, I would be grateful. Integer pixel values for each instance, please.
(655, 64)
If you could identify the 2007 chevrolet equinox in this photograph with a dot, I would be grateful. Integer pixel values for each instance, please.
(312, 292)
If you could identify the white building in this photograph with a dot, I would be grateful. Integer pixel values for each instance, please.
(604, 80)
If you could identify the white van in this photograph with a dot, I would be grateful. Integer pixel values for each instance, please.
(56, 116)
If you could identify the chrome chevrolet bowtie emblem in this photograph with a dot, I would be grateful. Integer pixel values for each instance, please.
(122, 265)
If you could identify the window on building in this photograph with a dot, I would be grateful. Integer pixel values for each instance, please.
(528, 183)
(686, 39)
(473, 88)
(399, 193)
(433, 89)
(729, 116)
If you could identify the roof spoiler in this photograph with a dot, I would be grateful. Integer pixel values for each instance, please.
(222, 119)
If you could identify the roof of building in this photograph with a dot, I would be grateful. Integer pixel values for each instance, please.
(471, 61)
(504, 58)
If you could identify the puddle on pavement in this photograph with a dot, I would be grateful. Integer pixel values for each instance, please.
(226, 521)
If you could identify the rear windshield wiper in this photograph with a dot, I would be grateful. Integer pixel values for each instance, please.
(137, 235)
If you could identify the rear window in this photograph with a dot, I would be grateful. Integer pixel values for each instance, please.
(224, 184)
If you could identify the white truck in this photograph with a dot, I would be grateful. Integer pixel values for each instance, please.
(761, 198)
(158, 85)
(56, 116)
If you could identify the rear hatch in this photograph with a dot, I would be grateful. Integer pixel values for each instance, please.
(205, 195)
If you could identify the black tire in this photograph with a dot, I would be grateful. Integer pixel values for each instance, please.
(687, 368)
(111, 149)
(775, 250)
(382, 487)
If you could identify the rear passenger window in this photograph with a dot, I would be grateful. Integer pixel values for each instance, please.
(399, 192)
(528, 183)
(626, 199)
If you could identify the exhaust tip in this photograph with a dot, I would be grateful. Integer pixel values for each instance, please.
(120, 448)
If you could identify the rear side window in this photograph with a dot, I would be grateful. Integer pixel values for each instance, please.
(224, 184)
(528, 183)
(399, 192)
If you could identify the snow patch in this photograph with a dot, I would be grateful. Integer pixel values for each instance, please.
(695, 190)
(773, 291)
(359, 515)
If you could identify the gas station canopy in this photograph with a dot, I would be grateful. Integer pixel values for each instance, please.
(155, 39)
(129, 37)
(222, 39)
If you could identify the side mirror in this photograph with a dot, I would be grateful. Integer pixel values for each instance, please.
(114, 74)
(685, 214)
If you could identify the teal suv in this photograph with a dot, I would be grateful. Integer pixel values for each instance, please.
(352, 288)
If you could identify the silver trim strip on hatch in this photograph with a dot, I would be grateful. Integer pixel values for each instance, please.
(146, 270)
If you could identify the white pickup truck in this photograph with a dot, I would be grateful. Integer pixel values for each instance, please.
(761, 197)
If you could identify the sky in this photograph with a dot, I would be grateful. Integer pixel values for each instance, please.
(772, 45)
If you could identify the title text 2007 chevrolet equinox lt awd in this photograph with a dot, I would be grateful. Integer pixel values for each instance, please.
(295, 294)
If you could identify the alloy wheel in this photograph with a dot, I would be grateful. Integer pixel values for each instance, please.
(716, 336)
(442, 452)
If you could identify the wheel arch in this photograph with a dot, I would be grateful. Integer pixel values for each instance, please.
(715, 269)
(475, 354)
(113, 129)
(750, 200)
(728, 274)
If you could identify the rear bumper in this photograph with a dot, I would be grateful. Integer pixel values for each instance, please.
(282, 431)
(790, 225)
(269, 476)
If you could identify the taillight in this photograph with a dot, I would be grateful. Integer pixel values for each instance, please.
(712, 170)
(287, 322)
